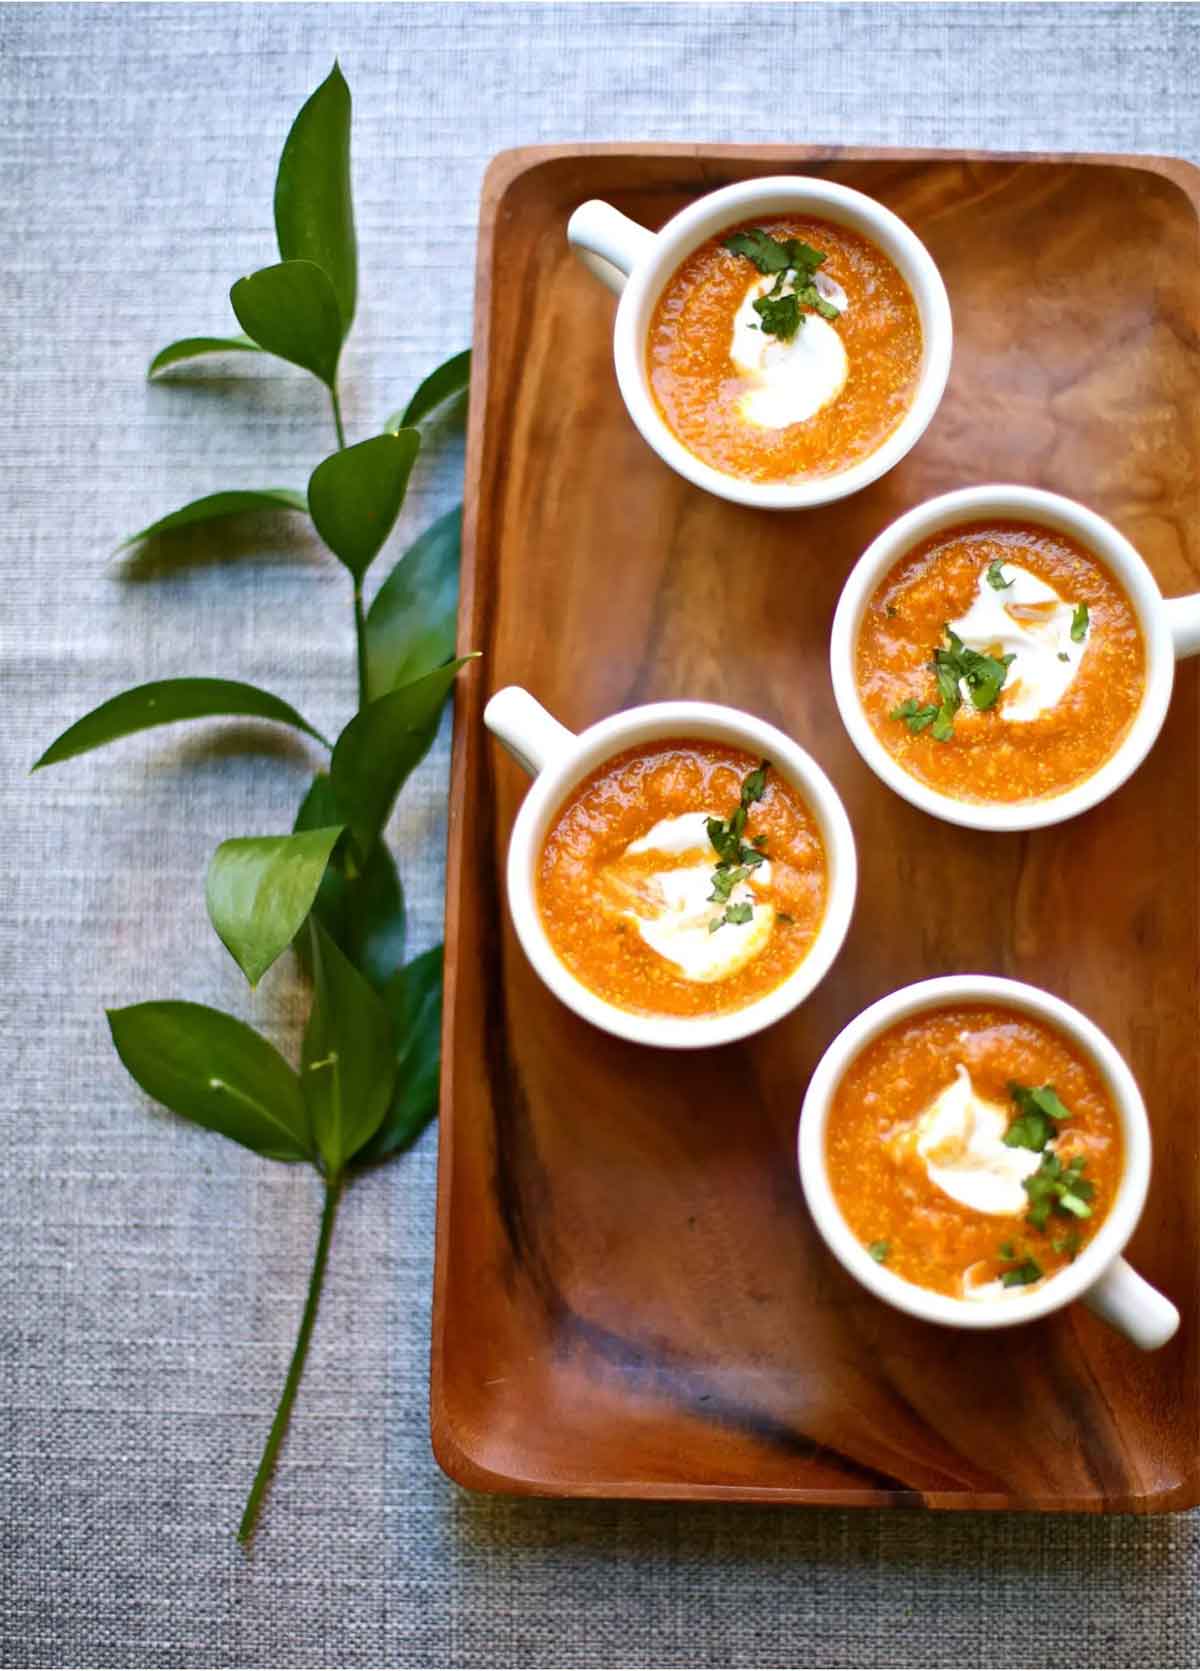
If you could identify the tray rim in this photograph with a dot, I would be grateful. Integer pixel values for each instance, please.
(449, 1452)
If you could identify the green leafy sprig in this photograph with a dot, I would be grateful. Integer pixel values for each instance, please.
(954, 665)
(736, 859)
(367, 1081)
(781, 311)
(1053, 1188)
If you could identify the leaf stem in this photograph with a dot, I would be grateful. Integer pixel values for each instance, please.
(333, 1192)
(337, 416)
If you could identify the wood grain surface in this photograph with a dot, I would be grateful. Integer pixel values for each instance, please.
(630, 1299)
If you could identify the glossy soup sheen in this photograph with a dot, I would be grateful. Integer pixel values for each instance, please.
(989, 758)
(696, 385)
(880, 1182)
(618, 803)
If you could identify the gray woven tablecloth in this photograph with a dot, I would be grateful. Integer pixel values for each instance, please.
(151, 1276)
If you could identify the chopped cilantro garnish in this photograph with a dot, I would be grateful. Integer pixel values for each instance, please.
(1079, 623)
(781, 312)
(1068, 1244)
(995, 576)
(1038, 1112)
(736, 859)
(1055, 1188)
(1063, 656)
(1007, 1251)
(879, 1251)
(1021, 1275)
(953, 667)
(914, 716)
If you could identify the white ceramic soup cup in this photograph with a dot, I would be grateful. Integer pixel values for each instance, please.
(558, 759)
(636, 263)
(1170, 629)
(1099, 1276)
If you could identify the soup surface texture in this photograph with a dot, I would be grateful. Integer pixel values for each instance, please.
(1042, 631)
(946, 1163)
(766, 409)
(627, 881)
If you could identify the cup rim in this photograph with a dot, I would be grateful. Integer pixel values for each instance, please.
(599, 742)
(1065, 1286)
(689, 228)
(1114, 550)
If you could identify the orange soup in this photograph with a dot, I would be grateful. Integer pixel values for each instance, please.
(1000, 661)
(793, 355)
(682, 878)
(973, 1150)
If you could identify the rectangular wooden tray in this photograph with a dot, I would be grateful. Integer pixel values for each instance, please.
(630, 1300)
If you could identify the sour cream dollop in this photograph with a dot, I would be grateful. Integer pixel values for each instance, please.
(673, 911)
(791, 381)
(960, 1137)
(1030, 621)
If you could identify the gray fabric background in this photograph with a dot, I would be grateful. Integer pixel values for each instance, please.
(152, 1276)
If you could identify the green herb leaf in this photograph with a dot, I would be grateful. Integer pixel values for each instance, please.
(1038, 1112)
(1053, 1188)
(348, 1062)
(739, 913)
(189, 348)
(1079, 623)
(1007, 1250)
(291, 310)
(995, 576)
(382, 744)
(1063, 656)
(780, 315)
(217, 1072)
(1021, 1275)
(359, 904)
(214, 506)
(914, 716)
(450, 378)
(414, 1001)
(879, 1251)
(163, 703)
(759, 246)
(411, 624)
(314, 210)
(1068, 1244)
(355, 496)
(261, 888)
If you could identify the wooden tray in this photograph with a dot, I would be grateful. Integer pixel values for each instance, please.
(630, 1299)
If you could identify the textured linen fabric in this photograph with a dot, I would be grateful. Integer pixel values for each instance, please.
(152, 1276)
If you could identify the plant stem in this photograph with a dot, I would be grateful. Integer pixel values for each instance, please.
(337, 417)
(360, 636)
(333, 1192)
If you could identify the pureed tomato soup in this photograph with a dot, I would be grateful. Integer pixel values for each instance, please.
(973, 1150)
(1000, 661)
(661, 912)
(773, 407)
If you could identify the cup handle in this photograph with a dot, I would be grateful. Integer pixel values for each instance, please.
(607, 242)
(1183, 618)
(1127, 1301)
(531, 735)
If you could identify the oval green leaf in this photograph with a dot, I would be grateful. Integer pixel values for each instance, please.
(214, 506)
(361, 906)
(412, 622)
(260, 889)
(414, 1001)
(291, 311)
(190, 348)
(216, 1072)
(355, 495)
(163, 703)
(314, 209)
(348, 1064)
(380, 747)
(450, 379)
